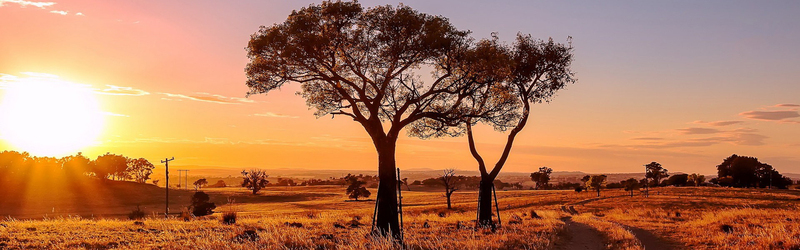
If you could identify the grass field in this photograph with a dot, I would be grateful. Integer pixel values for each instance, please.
(322, 218)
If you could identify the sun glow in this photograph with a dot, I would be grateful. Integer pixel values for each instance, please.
(47, 116)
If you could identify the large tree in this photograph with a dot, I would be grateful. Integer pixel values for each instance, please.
(512, 78)
(746, 171)
(110, 165)
(366, 64)
(140, 169)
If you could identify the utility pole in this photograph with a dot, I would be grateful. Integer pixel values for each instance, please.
(646, 183)
(186, 178)
(166, 171)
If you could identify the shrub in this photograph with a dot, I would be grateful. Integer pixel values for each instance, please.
(136, 214)
(229, 218)
(200, 205)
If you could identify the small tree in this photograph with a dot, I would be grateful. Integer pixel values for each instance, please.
(200, 205)
(596, 182)
(200, 183)
(255, 180)
(155, 182)
(140, 169)
(541, 177)
(631, 185)
(355, 188)
(449, 180)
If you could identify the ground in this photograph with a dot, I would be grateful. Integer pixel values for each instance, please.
(323, 218)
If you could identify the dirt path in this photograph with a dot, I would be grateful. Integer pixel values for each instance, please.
(580, 236)
(650, 241)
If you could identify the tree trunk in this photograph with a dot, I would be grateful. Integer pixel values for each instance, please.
(387, 217)
(598, 192)
(485, 202)
(448, 200)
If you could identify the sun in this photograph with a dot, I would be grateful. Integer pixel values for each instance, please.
(47, 116)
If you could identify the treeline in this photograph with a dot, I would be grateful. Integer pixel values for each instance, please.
(21, 166)
(470, 182)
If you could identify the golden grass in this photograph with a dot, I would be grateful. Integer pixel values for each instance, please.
(690, 217)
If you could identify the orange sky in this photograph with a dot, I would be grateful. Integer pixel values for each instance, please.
(685, 84)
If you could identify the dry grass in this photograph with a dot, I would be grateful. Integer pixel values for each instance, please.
(689, 217)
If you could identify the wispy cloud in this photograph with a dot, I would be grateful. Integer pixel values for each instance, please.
(24, 3)
(119, 90)
(787, 105)
(60, 12)
(698, 131)
(647, 139)
(718, 123)
(770, 115)
(206, 97)
(270, 114)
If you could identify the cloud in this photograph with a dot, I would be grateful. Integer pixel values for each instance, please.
(60, 12)
(274, 115)
(770, 115)
(24, 3)
(206, 97)
(718, 123)
(79, 14)
(787, 105)
(648, 139)
(698, 131)
(119, 90)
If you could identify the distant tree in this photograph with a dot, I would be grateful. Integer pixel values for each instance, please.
(200, 205)
(586, 178)
(219, 184)
(541, 177)
(656, 172)
(746, 171)
(140, 169)
(579, 189)
(596, 182)
(697, 179)
(77, 165)
(200, 183)
(155, 182)
(631, 185)
(450, 182)
(110, 165)
(356, 189)
(678, 180)
(254, 180)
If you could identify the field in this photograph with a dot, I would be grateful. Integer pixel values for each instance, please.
(322, 218)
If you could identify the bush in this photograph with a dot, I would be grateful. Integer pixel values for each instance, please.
(200, 205)
(136, 214)
(229, 218)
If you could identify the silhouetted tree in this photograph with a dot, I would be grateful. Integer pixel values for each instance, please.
(356, 189)
(697, 179)
(155, 182)
(450, 182)
(77, 165)
(678, 180)
(746, 171)
(110, 165)
(200, 183)
(200, 205)
(656, 172)
(363, 64)
(513, 77)
(140, 169)
(631, 185)
(541, 177)
(596, 182)
(255, 179)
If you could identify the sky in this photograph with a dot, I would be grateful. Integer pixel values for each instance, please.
(682, 83)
